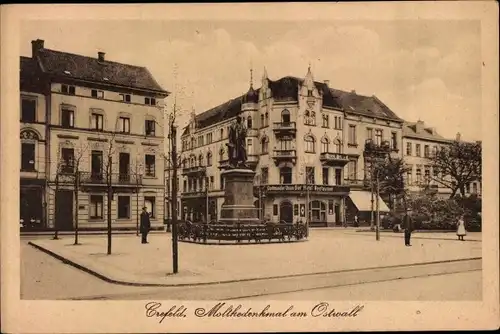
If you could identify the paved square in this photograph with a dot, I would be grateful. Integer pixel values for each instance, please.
(325, 251)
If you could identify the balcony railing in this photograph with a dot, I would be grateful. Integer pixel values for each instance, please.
(285, 154)
(194, 169)
(116, 178)
(334, 158)
(284, 128)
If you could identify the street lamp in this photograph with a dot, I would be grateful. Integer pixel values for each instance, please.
(377, 153)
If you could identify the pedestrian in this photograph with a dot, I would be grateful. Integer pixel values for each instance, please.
(408, 226)
(356, 223)
(461, 232)
(145, 225)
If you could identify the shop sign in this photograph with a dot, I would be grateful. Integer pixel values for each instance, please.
(305, 187)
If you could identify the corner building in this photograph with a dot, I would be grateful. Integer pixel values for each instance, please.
(305, 141)
(80, 115)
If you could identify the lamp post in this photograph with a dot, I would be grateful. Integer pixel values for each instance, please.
(206, 199)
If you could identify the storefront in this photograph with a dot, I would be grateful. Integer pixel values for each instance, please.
(359, 203)
(32, 204)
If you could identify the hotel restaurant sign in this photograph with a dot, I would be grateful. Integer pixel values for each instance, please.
(302, 188)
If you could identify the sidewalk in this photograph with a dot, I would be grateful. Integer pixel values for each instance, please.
(151, 264)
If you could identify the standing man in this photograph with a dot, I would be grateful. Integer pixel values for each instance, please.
(145, 225)
(408, 225)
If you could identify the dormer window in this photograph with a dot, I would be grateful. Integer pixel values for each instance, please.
(125, 97)
(65, 89)
(105, 79)
(67, 72)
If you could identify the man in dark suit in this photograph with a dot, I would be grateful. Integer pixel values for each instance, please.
(408, 226)
(145, 225)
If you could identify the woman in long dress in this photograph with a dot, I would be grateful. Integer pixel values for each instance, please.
(461, 232)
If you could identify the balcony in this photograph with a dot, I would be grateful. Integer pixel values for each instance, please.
(282, 157)
(358, 184)
(284, 128)
(195, 170)
(117, 179)
(334, 159)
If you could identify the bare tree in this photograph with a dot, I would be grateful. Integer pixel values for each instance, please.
(459, 164)
(108, 174)
(391, 173)
(83, 148)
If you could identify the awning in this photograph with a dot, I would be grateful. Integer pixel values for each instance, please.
(362, 201)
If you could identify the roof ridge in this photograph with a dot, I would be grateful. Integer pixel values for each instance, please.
(84, 56)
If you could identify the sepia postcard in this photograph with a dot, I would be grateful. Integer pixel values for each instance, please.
(251, 167)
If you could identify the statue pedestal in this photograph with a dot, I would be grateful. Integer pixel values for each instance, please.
(239, 205)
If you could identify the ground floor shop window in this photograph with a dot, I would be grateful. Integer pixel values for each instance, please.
(317, 211)
(96, 202)
(149, 203)
(123, 206)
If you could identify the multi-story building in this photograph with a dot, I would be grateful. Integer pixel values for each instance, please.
(420, 142)
(96, 121)
(305, 141)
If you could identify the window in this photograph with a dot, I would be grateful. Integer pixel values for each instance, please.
(409, 173)
(123, 207)
(338, 123)
(98, 94)
(150, 128)
(427, 174)
(352, 168)
(324, 145)
(96, 165)
(150, 101)
(394, 140)
(221, 180)
(125, 97)
(67, 118)
(211, 187)
(467, 188)
(124, 167)
(285, 175)
(150, 165)
(96, 202)
(325, 121)
(310, 175)
(379, 134)
(65, 89)
(209, 138)
(338, 146)
(426, 151)
(338, 176)
(249, 122)
(309, 144)
(27, 157)
(149, 203)
(267, 119)
(285, 144)
(200, 160)
(417, 150)
(474, 188)
(209, 159)
(419, 175)
(285, 116)
(317, 211)
(28, 110)
(352, 135)
(221, 154)
(434, 150)
(309, 118)
(124, 124)
(221, 134)
(309, 93)
(68, 158)
(97, 122)
(262, 121)
(369, 133)
(264, 175)
(249, 146)
(325, 175)
(408, 148)
(184, 186)
(264, 145)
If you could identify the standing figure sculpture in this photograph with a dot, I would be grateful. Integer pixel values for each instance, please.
(237, 153)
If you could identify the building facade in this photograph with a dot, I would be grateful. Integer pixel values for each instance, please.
(89, 127)
(305, 141)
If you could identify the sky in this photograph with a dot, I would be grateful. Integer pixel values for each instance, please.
(422, 69)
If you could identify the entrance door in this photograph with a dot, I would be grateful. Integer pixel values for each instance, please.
(286, 212)
(31, 210)
(64, 210)
(337, 213)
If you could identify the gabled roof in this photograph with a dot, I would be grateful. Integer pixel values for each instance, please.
(287, 89)
(64, 64)
(420, 131)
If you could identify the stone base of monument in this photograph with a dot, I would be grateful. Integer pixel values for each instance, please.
(239, 205)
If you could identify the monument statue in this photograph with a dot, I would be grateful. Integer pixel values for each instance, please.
(237, 153)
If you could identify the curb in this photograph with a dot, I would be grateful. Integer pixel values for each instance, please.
(113, 281)
(397, 235)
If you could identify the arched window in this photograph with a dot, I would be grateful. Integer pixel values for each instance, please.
(221, 134)
(193, 162)
(184, 163)
(338, 146)
(200, 160)
(193, 143)
(264, 145)
(317, 211)
(249, 122)
(324, 145)
(209, 159)
(309, 144)
(221, 154)
(267, 119)
(29, 139)
(262, 124)
(285, 116)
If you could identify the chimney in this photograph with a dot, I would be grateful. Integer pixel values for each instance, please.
(459, 136)
(36, 46)
(100, 56)
(353, 91)
(327, 83)
(419, 126)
